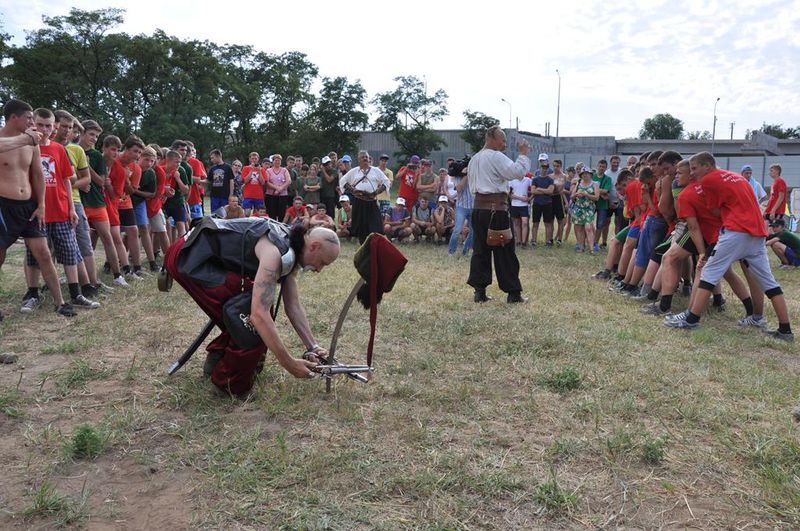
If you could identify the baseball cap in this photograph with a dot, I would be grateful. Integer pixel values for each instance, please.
(344, 198)
(586, 169)
(401, 201)
(347, 158)
(443, 198)
(414, 159)
(747, 167)
(383, 156)
(326, 159)
(543, 157)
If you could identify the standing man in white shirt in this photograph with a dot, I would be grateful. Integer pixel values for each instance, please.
(365, 183)
(489, 174)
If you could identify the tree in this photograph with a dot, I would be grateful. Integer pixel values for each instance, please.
(475, 126)
(698, 135)
(410, 102)
(661, 127)
(335, 119)
(778, 131)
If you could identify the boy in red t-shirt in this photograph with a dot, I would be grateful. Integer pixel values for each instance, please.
(129, 159)
(156, 218)
(742, 237)
(197, 190)
(253, 179)
(776, 207)
(60, 218)
(115, 188)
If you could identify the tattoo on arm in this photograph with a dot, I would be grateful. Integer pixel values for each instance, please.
(268, 286)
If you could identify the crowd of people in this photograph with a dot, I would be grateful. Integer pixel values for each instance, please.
(137, 198)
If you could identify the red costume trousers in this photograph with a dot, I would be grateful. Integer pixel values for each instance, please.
(236, 371)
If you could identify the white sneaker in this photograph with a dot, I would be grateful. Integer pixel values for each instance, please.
(120, 281)
(677, 317)
(130, 275)
(28, 305)
(751, 320)
(82, 302)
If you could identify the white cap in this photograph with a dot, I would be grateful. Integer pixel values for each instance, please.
(344, 198)
(443, 198)
(326, 159)
(544, 157)
(401, 201)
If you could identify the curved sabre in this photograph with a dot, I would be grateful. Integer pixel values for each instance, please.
(331, 360)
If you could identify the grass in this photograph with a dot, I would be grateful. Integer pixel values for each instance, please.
(572, 410)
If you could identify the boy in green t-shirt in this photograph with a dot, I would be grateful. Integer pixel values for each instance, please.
(785, 244)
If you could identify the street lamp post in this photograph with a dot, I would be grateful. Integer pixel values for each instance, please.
(510, 125)
(558, 105)
(714, 127)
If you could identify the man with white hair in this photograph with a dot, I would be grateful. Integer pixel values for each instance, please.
(364, 184)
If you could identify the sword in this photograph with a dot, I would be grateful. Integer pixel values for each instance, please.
(192, 348)
(331, 360)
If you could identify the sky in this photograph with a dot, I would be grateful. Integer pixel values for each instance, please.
(620, 62)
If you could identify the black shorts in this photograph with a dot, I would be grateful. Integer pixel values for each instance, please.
(542, 211)
(15, 221)
(127, 217)
(558, 207)
(519, 212)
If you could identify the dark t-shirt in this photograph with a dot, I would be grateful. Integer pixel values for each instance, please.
(328, 189)
(220, 176)
(542, 182)
(178, 199)
(146, 184)
(94, 197)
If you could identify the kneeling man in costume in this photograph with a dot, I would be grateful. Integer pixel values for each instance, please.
(220, 259)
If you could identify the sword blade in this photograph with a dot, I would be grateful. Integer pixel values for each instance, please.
(338, 329)
(192, 348)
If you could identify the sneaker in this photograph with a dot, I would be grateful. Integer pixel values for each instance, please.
(29, 305)
(548, 243)
(681, 316)
(654, 308)
(596, 248)
(578, 248)
(784, 266)
(130, 275)
(120, 281)
(602, 275)
(616, 286)
(682, 324)
(777, 334)
(66, 310)
(633, 294)
(142, 273)
(103, 288)
(558, 243)
(154, 268)
(719, 308)
(82, 302)
(752, 320)
(89, 291)
(603, 246)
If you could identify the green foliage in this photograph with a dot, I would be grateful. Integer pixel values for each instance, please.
(407, 112)
(475, 126)
(661, 127)
(653, 450)
(778, 131)
(698, 135)
(553, 497)
(564, 380)
(87, 442)
(10, 400)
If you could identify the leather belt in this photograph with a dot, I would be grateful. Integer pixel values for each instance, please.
(498, 201)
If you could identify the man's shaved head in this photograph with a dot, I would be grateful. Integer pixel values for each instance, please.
(321, 248)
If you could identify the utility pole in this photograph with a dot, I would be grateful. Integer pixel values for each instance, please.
(510, 124)
(732, 124)
(714, 127)
(558, 105)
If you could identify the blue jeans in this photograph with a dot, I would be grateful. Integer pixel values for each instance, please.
(462, 215)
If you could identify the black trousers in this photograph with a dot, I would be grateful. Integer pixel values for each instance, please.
(366, 219)
(505, 258)
(276, 206)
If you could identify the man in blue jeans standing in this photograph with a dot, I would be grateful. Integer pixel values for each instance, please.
(464, 202)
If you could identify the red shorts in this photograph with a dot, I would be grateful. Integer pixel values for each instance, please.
(96, 213)
(113, 213)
